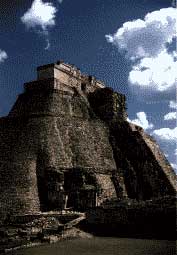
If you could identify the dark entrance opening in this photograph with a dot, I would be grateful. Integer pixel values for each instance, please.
(81, 190)
(42, 182)
(50, 187)
(83, 87)
(50, 190)
(42, 193)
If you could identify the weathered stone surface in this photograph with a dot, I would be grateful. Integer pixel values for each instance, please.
(66, 143)
(138, 219)
(30, 230)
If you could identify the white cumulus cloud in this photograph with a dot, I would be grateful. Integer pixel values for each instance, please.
(158, 72)
(166, 134)
(148, 37)
(41, 16)
(174, 166)
(3, 56)
(142, 121)
(173, 104)
(60, 1)
(145, 43)
(170, 116)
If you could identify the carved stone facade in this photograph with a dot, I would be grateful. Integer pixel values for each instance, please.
(66, 144)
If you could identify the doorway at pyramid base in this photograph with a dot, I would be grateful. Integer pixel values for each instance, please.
(75, 189)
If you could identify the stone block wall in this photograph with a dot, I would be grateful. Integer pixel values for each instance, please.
(45, 131)
(146, 175)
(107, 104)
(61, 130)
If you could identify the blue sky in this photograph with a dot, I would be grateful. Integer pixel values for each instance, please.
(129, 44)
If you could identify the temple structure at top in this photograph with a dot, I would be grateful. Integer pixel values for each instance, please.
(63, 76)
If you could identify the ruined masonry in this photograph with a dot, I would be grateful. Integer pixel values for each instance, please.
(66, 144)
